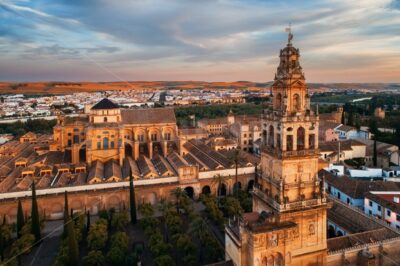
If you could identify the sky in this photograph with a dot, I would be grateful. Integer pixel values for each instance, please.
(206, 40)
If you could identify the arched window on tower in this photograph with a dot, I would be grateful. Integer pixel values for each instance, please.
(289, 142)
(311, 141)
(278, 101)
(105, 143)
(264, 136)
(271, 136)
(300, 138)
(296, 102)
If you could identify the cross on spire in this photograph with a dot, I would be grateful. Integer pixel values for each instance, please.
(290, 35)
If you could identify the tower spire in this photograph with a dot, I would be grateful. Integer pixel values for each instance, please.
(290, 35)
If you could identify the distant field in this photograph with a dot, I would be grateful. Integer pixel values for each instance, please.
(32, 88)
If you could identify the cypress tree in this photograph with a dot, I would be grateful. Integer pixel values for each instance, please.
(73, 251)
(66, 212)
(35, 215)
(1, 245)
(20, 219)
(132, 203)
(375, 155)
(88, 221)
(343, 118)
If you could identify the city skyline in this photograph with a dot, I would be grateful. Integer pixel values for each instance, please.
(210, 41)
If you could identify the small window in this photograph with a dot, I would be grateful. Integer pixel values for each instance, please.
(388, 212)
(98, 145)
(348, 200)
(105, 119)
(370, 203)
(379, 208)
(370, 212)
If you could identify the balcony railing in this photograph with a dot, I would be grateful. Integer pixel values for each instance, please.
(285, 154)
(288, 206)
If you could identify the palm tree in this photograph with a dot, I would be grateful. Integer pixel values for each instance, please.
(236, 159)
(219, 181)
(179, 194)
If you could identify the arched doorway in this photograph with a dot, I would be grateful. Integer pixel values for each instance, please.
(189, 192)
(331, 231)
(237, 186)
(152, 198)
(250, 185)
(339, 233)
(222, 190)
(206, 190)
(128, 150)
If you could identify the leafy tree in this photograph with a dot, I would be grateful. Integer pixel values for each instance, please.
(119, 221)
(157, 245)
(232, 207)
(115, 256)
(98, 235)
(198, 228)
(119, 248)
(20, 219)
(35, 216)
(184, 245)
(5, 237)
(179, 195)
(164, 260)
(23, 245)
(94, 258)
(73, 251)
(146, 209)
(174, 223)
(132, 201)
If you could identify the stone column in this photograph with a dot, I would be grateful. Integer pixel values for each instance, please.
(165, 147)
(150, 148)
(306, 136)
(75, 153)
(135, 150)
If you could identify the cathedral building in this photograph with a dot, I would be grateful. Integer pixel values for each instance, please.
(111, 133)
(288, 225)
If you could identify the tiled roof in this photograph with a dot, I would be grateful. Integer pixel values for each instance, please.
(104, 104)
(192, 131)
(345, 128)
(148, 116)
(356, 188)
(385, 201)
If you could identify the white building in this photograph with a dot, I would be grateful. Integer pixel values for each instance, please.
(384, 205)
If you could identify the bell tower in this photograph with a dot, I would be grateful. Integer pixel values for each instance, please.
(289, 188)
(288, 226)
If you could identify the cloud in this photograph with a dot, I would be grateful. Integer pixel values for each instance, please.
(191, 37)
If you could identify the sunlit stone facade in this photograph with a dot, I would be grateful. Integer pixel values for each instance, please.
(288, 226)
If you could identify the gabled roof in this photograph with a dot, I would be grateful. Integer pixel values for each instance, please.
(104, 104)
